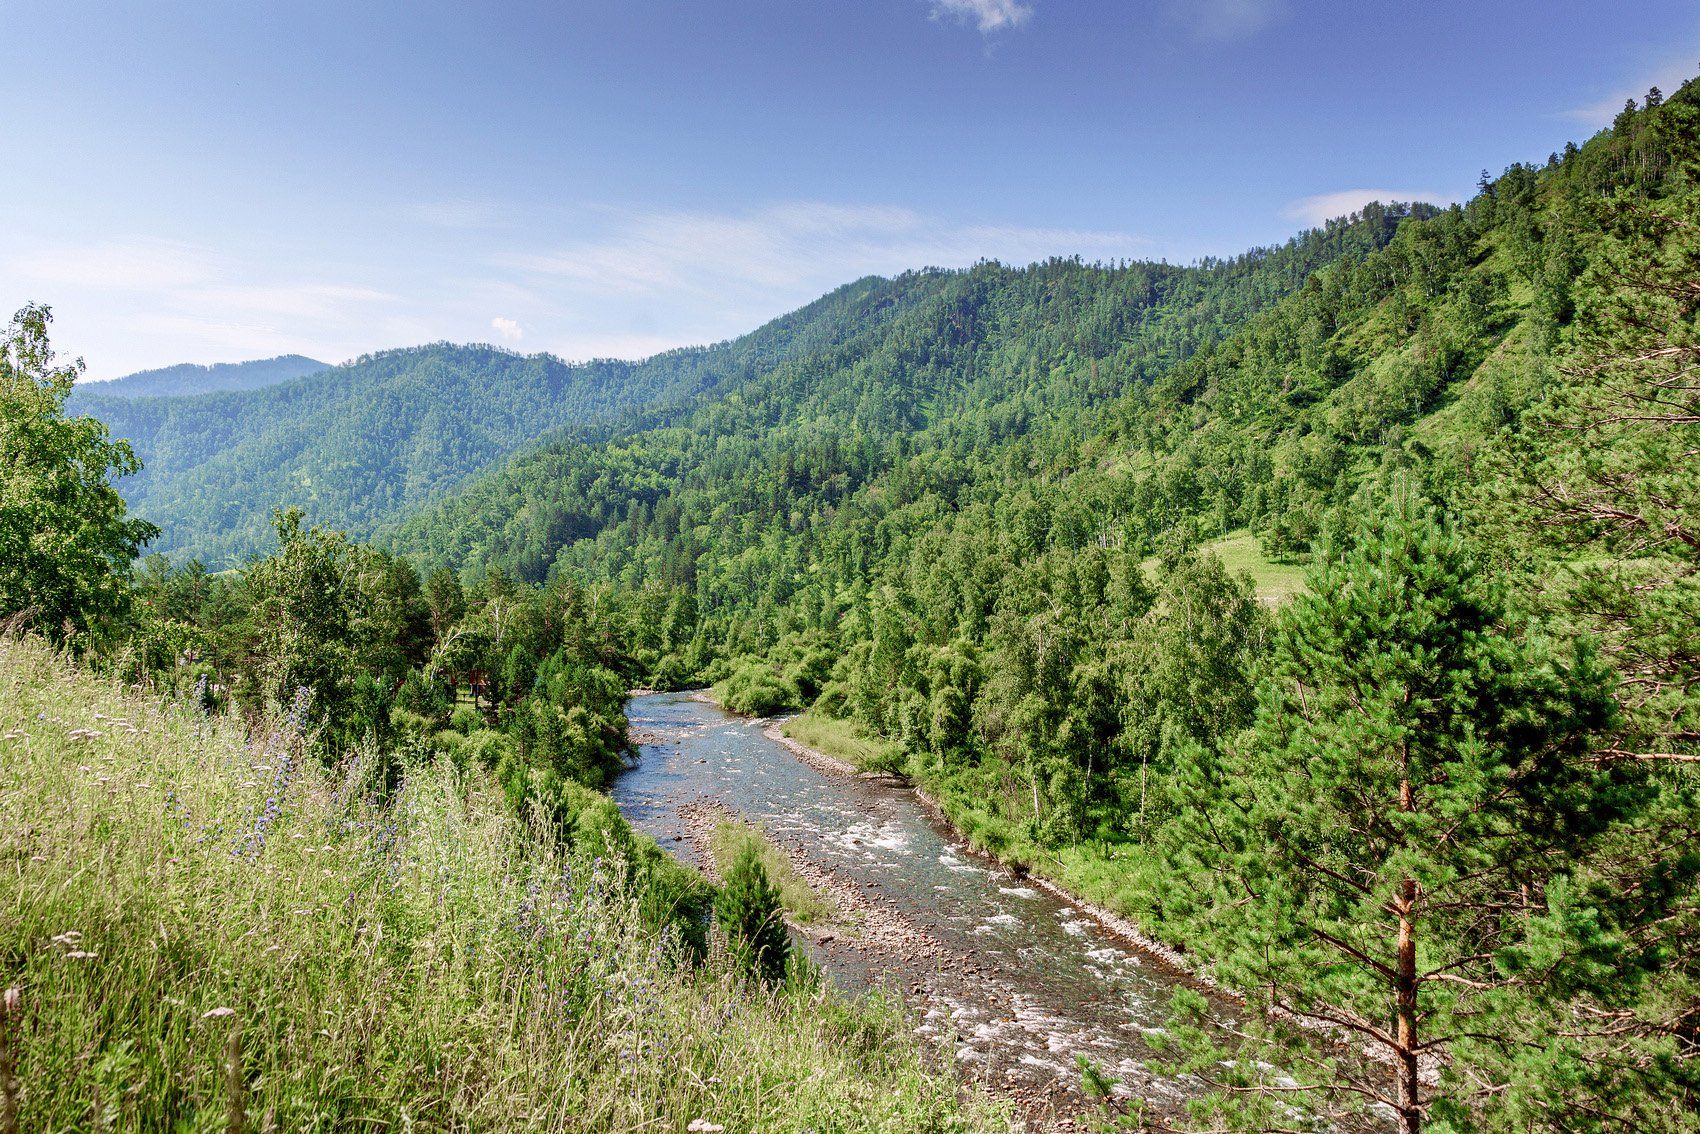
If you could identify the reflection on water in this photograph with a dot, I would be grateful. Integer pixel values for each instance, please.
(1025, 982)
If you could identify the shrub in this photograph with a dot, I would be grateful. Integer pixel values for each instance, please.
(754, 689)
(749, 913)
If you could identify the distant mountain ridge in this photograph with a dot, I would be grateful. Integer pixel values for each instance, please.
(373, 440)
(190, 378)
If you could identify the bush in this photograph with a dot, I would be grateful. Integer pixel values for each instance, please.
(754, 689)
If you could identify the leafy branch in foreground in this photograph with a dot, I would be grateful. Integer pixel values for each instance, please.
(65, 541)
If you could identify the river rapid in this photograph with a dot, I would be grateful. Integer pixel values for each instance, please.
(1020, 981)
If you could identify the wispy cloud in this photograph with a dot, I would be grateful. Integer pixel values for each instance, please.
(1222, 20)
(1313, 211)
(581, 283)
(1667, 75)
(121, 265)
(793, 246)
(454, 214)
(987, 15)
(168, 301)
(662, 278)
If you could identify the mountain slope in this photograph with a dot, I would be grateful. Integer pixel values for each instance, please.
(374, 439)
(967, 361)
(191, 378)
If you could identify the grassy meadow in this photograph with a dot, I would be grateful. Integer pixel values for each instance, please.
(206, 929)
(1242, 554)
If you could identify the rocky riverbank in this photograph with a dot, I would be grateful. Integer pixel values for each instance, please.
(864, 924)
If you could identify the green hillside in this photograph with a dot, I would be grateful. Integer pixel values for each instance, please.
(931, 367)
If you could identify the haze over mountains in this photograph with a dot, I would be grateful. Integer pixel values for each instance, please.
(192, 378)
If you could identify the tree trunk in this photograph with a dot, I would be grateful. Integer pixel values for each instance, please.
(1410, 1102)
(1405, 995)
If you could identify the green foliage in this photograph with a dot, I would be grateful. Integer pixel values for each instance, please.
(1415, 779)
(754, 689)
(360, 444)
(748, 910)
(332, 627)
(729, 841)
(65, 540)
(411, 962)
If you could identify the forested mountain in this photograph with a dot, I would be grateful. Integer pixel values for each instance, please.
(373, 439)
(997, 415)
(191, 378)
(381, 437)
(956, 363)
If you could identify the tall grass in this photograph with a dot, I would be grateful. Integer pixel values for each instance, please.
(208, 930)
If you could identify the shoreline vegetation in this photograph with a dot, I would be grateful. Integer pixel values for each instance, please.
(806, 905)
(851, 748)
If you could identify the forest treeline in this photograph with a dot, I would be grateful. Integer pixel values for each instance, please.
(1442, 803)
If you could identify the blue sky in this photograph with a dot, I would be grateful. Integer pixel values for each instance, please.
(219, 181)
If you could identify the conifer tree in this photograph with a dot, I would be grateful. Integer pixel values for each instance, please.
(1393, 817)
(748, 912)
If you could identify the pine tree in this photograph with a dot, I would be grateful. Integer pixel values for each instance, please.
(1397, 810)
(749, 913)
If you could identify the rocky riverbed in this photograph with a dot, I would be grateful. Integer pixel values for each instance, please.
(1014, 982)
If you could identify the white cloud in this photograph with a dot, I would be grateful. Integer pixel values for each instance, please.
(287, 301)
(1313, 211)
(145, 301)
(987, 15)
(1667, 76)
(1222, 20)
(590, 282)
(792, 248)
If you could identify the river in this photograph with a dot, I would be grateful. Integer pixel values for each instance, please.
(1020, 980)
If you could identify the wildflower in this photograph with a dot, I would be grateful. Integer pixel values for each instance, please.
(217, 1013)
(81, 955)
(69, 937)
(704, 1126)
